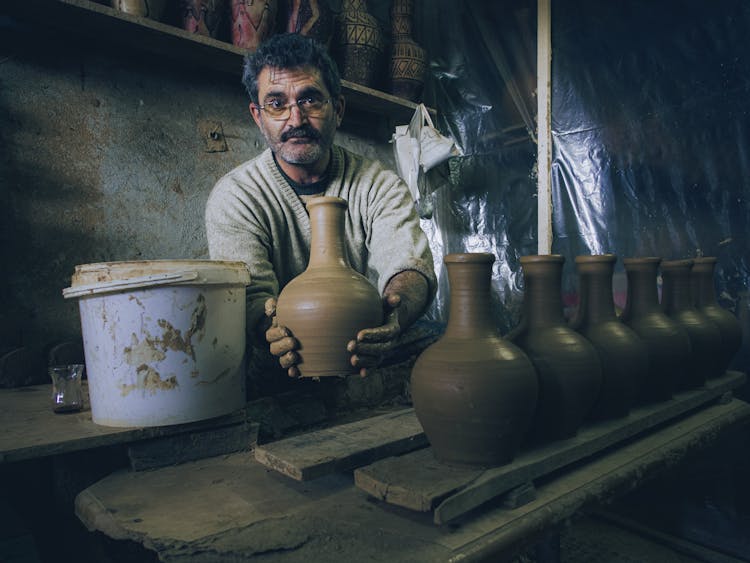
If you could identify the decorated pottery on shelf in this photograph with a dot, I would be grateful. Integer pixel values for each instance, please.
(326, 305)
(408, 65)
(252, 22)
(667, 342)
(622, 354)
(567, 364)
(359, 43)
(312, 18)
(204, 17)
(474, 392)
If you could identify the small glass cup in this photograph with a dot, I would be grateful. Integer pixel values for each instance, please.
(67, 394)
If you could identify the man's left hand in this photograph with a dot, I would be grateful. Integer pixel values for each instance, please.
(372, 343)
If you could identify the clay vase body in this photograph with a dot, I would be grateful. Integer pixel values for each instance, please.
(311, 18)
(621, 353)
(474, 392)
(667, 342)
(327, 304)
(359, 43)
(204, 17)
(252, 22)
(408, 60)
(567, 364)
(704, 299)
(705, 339)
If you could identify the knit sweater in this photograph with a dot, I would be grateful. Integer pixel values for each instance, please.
(253, 215)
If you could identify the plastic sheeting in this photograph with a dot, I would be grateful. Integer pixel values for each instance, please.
(651, 137)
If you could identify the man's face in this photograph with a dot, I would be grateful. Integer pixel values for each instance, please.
(299, 139)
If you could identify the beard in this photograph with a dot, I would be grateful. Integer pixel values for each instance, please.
(315, 146)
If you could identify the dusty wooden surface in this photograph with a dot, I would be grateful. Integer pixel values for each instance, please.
(32, 430)
(419, 482)
(312, 455)
(231, 508)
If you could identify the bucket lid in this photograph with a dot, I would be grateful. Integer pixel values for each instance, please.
(110, 277)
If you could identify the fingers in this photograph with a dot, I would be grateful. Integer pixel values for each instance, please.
(276, 333)
(270, 307)
(293, 371)
(393, 300)
(383, 333)
(284, 346)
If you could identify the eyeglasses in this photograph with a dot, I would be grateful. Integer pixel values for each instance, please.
(311, 107)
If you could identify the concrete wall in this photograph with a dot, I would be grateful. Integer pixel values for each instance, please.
(104, 158)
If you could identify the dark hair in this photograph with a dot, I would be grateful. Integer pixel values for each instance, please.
(290, 50)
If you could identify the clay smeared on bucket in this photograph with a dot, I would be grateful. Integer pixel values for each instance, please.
(149, 379)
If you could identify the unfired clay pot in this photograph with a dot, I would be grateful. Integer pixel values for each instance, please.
(326, 305)
(622, 354)
(474, 392)
(705, 339)
(667, 342)
(704, 298)
(408, 60)
(252, 22)
(359, 43)
(567, 364)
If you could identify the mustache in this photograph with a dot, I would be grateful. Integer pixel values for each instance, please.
(301, 131)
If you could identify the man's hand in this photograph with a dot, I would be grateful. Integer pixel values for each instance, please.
(372, 343)
(282, 344)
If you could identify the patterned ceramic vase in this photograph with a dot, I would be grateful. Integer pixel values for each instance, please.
(474, 392)
(252, 22)
(408, 59)
(312, 18)
(204, 17)
(359, 43)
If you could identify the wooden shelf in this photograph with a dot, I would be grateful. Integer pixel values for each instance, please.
(104, 24)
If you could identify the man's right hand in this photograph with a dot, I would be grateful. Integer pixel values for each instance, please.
(282, 344)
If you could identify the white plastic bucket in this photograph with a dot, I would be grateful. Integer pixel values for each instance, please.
(164, 340)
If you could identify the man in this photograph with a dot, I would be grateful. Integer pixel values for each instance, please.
(256, 213)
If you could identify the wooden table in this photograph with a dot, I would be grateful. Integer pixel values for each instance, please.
(233, 508)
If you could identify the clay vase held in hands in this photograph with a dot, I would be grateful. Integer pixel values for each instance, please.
(359, 43)
(327, 304)
(567, 364)
(474, 392)
(252, 22)
(624, 358)
(704, 298)
(705, 339)
(667, 342)
(408, 60)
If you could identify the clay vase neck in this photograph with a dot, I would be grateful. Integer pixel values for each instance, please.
(704, 295)
(566, 363)
(469, 279)
(642, 295)
(624, 358)
(327, 304)
(705, 339)
(474, 392)
(327, 248)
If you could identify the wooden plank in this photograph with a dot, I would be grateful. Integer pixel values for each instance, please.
(104, 24)
(418, 482)
(601, 480)
(32, 430)
(190, 446)
(343, 447)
